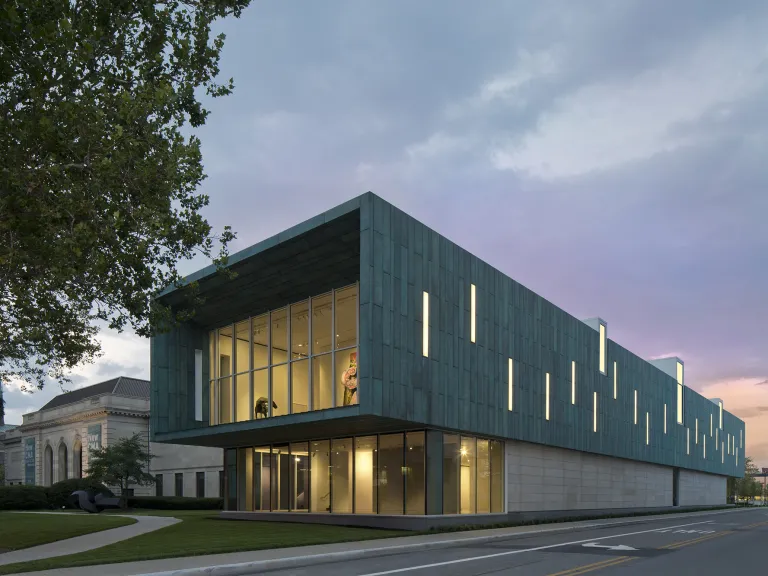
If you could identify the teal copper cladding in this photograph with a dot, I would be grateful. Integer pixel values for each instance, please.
(459, 385)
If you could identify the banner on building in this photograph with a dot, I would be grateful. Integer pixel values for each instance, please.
(94, 437)
(29, 461)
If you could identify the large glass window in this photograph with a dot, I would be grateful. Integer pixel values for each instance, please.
(451, 463)
(301, 357)
(261, 341)
(243, 397)
(468, 475)
(415, 479)
(341, 476)
(322, 382)
(385, 474)
(497, 476)
(365, 475)
(262, 458)
(320, 476)
(483, 477)
(280, 478)
(242, 347)
(391, 474)
(300, 476)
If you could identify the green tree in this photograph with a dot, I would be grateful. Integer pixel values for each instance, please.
(122, 464)
(747, 487)
(99, 102)
(2, 475)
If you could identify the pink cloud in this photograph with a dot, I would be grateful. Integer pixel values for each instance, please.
(746, 398)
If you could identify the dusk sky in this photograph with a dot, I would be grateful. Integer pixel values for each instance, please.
(610, 155)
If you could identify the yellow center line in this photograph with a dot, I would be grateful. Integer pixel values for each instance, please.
(590, 567)
(676, 545)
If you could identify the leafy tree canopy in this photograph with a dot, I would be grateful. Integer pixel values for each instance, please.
(99, 173)
(121, 464)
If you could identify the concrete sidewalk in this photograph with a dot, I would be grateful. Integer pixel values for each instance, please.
(86, 542)
(240, 563)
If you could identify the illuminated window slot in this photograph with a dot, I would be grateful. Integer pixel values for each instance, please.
(425, 329)
(710, 425)
(688, 441)
(635, 406)
(472, 313)
(720, 404)
(647, 428)
(603, 345)
(573, 382)
(741, 439)
(615, 381)
(704, 442)
(665, 418)
(546, 397)
(697, 431)
(722, 453)
(594, 412)
(679, 392)
(511, 383)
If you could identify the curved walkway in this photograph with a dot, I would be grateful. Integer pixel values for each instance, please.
(87, 542)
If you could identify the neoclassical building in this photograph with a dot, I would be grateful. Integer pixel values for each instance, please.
(55, 442)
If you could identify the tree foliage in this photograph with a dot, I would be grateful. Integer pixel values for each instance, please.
(748, 487)
(100, 170)
(121, 464)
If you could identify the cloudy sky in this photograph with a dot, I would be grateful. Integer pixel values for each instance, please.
(610, 155)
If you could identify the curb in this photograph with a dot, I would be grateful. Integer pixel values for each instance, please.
(258, 566)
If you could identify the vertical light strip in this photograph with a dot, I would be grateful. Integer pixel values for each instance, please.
(728, 438)
(697, 430)
(594, 412)
(710, 425)
(573, 381)
(665, 418)
(679, 403)
(199, 385)
(425, 324)
(511, 384)
(615, 381)
(472, 313)
(603, 366)
(704, 442)
(722, 453)
(741, 439)
(737, 456)
(647, 428)
(688, 441)
(721, 414)
(717, 435)
(635, 406)
(546, 396)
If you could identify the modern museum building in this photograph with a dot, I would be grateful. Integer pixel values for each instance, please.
(361, 368)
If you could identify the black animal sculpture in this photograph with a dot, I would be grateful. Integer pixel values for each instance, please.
(262, 407)
(92, 503)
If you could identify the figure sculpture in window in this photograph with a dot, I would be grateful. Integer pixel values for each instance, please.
(262, 407)
(349, 380)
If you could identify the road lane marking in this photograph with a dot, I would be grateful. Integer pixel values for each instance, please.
(608, 547)
(511, 552)
(592, 567)
(676, 545)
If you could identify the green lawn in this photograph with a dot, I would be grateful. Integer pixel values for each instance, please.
(24, 530)
(201, 532)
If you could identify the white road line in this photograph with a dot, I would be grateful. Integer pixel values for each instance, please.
(511, 552)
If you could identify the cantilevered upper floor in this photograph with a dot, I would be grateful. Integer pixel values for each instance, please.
(364, 320)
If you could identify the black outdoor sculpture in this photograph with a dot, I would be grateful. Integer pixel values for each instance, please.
(262, 407)
(93, 503)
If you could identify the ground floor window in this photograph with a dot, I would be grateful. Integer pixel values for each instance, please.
(179, 484)
(200, 484)
(159, 485)
(372, 474)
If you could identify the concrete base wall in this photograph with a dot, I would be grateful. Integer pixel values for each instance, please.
(422, 523)
(701, 489)
(542, 478)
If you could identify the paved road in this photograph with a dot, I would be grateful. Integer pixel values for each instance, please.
(714, 544)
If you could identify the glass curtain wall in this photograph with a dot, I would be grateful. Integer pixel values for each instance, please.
(473, 475)
(290, 360)
(384, 474)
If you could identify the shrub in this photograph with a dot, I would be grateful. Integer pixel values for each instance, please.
(175, 503)
(59, 493)
(23, 498)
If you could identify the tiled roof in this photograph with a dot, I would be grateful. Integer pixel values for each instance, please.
(122, 386)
